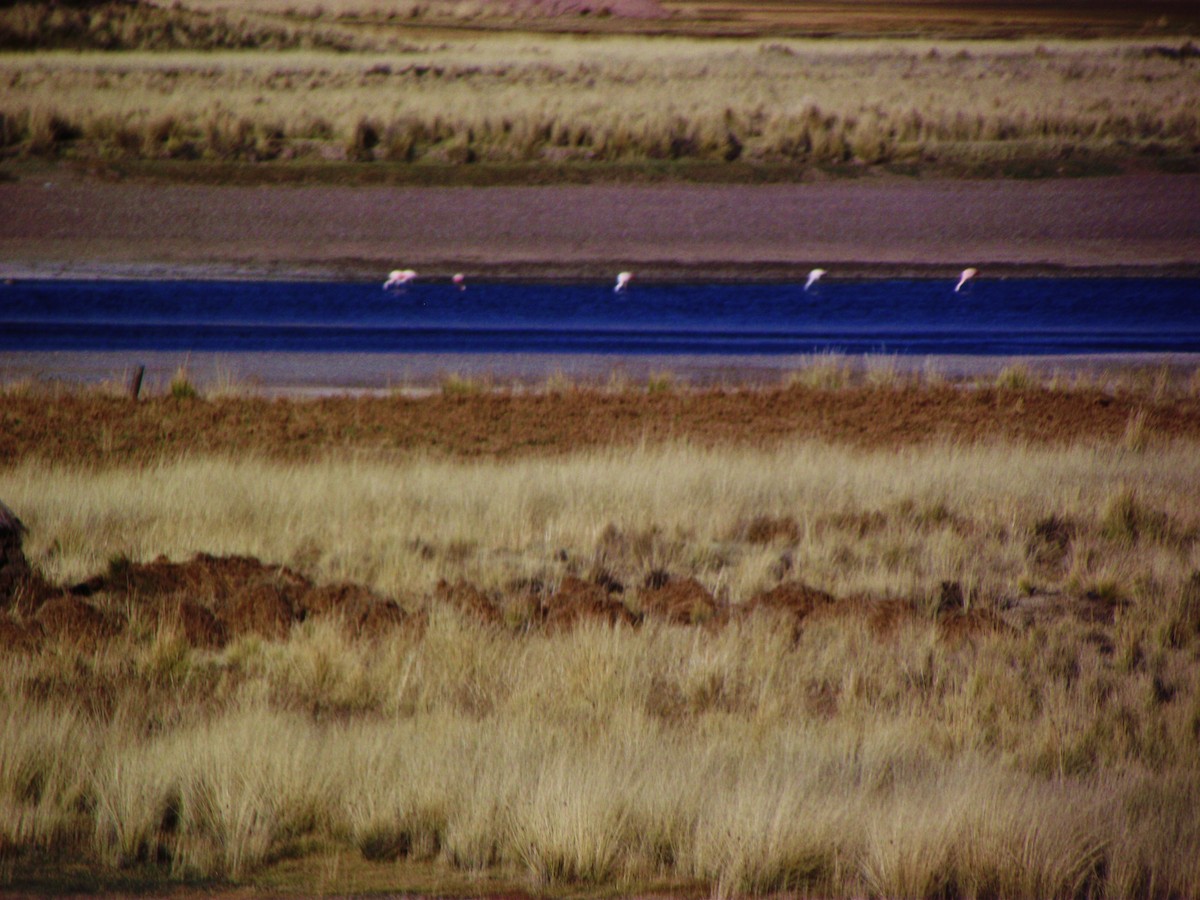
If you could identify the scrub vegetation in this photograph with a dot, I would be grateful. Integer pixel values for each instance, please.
(334, 91)
(933, 667)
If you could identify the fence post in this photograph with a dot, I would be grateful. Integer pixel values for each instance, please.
(135, 383)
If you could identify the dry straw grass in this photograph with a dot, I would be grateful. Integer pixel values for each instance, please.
(1055, 758)
(875, 522)
(615, 757)
(513, 99)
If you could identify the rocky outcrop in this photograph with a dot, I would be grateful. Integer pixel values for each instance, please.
(14, 568)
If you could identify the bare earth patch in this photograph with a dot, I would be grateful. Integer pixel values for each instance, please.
(90, 429)
(68, 225)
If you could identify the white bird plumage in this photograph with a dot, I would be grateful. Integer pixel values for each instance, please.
(623, 279)
(813, 277)
(399, 278)
(967, 275)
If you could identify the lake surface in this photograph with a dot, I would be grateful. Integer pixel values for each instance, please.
(1004, 317)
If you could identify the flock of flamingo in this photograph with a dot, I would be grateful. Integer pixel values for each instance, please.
(397, 278)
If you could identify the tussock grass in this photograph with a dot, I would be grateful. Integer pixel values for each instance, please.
(513, 99)
(181, 386)
(570, 772)
(455, 385)
(875, 522)
(1051, 754)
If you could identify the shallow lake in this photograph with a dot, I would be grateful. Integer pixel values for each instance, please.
(1002, 317)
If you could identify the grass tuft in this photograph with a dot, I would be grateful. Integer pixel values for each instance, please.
(181, 386)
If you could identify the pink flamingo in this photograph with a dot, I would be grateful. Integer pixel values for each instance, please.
(813, 277)
(967, 275)
(398, 278)
(623, 279)
(460, 280)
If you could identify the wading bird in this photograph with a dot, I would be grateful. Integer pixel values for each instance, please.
(399, 278)
(460, 280)
(967, 275)
(623, 279)
(813, 277)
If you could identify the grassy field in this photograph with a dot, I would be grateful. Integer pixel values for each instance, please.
(945, 667)
(858, 634)
(285, 89)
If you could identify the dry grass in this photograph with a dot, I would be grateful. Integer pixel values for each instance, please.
(620, 757)
(508, 99)
(875, 522)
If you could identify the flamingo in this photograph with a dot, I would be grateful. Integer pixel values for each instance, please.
(399, 278)
(813, 277)
(967, 275)
(460, 280)
(623, 279)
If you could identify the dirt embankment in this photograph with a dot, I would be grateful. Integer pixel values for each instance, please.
(89, 429)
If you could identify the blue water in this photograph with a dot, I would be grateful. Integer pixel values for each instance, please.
(995, 317)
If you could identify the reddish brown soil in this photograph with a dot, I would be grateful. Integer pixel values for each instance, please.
(73, 618)
(682, 601)
(577, 600)
(792, 598)
(469, 599)
(210, 599)
(93, 430)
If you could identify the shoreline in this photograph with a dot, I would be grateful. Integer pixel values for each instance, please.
(313, 375)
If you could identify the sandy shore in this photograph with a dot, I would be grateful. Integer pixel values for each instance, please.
(68, 226)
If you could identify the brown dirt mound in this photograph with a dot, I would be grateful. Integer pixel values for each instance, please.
(576, 600)
(263, 609)
(19, 636)
(200, 625)
(75, 619)
(216, 598)
(469, 599)
(793, 597)
(683, 601)
(378, 618)
(966, 627)
(886, 617)
(204, 577)
(363, 611)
